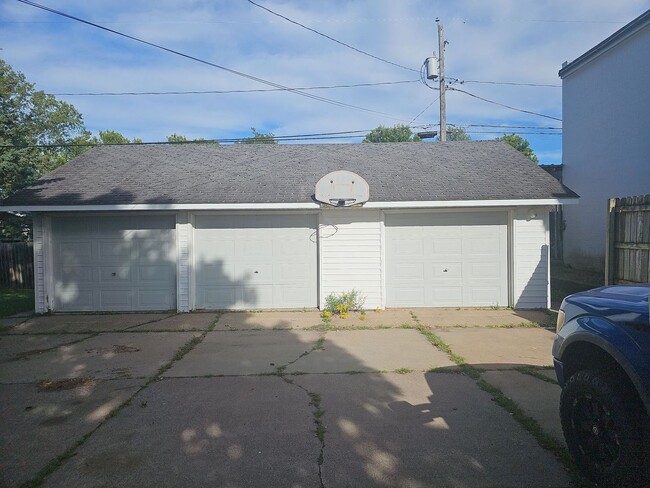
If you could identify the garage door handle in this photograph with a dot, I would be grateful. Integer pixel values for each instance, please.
(255, 272)
(444, 270)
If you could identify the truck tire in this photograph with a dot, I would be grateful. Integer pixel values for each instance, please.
(606, 429)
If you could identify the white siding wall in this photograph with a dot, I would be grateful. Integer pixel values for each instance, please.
(40, 277)
(184, 252)
(605, 143)
(530, 258)
(351, 254)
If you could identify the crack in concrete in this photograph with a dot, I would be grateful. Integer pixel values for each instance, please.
(26, 354)
(58, 461)
(314, 401)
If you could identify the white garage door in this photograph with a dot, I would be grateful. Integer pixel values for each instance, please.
(114, 263)
(248, 262)
(446, 259)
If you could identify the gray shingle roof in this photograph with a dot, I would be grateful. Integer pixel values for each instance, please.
(262, 173)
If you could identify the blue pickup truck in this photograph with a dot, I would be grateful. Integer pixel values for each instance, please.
(602, 362)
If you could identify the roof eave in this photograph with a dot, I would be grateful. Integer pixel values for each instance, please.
(612, 41)
(286, 206)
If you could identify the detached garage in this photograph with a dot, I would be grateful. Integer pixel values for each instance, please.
(203, 226)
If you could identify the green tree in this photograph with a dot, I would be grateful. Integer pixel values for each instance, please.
(520, 144)
(39, 132)
(397, 133)
(456, 134)
(114, 137)
(176, 138)
(259, 138)
(181, 138)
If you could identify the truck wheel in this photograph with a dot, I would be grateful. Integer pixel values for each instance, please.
(605, 428)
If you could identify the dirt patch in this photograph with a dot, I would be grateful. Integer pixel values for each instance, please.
(66, 384)
(121, 372)
(26, 354)
(118, 349)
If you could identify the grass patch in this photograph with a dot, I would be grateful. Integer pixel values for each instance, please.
(545, 440)
(55, 463)
(15, 300)
(404, 370)
(534, 372)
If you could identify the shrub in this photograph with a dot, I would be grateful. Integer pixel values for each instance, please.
(342, 303)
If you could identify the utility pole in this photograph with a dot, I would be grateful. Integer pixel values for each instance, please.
(443, 104)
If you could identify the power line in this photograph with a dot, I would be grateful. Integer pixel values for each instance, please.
(504, 105)
(348, 134)
(329, 37)
(424, 110)
(508, 126)
(208, 63)
(219, 92)
(511, 83)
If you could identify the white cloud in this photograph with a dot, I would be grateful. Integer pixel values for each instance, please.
(502, 40)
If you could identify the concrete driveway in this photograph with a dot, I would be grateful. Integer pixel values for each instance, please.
(280, 399)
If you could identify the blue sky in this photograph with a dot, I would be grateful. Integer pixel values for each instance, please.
(521, 41)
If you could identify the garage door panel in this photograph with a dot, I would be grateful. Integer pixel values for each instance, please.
(74, 297)
(78, 274)
(115, 274)
(107, 263)
(291, 296)
(286, 273)
(74, 252)
(216, 297)
(255, 273)
(438, 246)
(485, 246)
(254, 248)
(153, 299)
(255, 257)
(216, 273)
(451, 294)
(409, 297)
(154, 274)
(115, 299)
(464, 259)
(409, 271)
(114, 250)
(152, 251)
(407, 247)
(483, 270)
(445, 271)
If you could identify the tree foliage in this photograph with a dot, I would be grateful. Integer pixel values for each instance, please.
(40, 134)
(397, 133)
(30, 118)
(520, 144)
(176, 138)
(114, 137)
(259, 138)
(456, 134)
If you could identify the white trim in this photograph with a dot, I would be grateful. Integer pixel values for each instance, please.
(319, 263)
(288, 206)
(511, 258)
(382, 243)
(547, 224)
(162, 206)
(48, 263)
(470, 203)
(192, 271)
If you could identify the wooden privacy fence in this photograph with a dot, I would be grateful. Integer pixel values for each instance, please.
(627, 256)
(16, 265)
